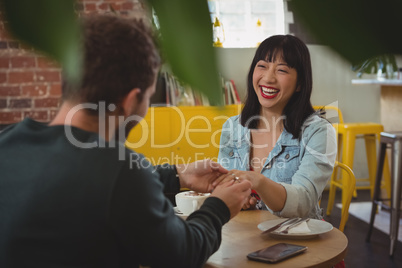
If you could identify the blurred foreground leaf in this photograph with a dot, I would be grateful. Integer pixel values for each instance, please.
(49, 26)
(356, 29)
(186, 30)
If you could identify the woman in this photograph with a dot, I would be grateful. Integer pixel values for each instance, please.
(278, 142)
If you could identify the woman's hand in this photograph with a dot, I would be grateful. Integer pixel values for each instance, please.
(200, 175)
(251, 176)
(250, 203)
(239, 176)
(273, 194)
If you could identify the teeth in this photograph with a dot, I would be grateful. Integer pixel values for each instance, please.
(269, 90)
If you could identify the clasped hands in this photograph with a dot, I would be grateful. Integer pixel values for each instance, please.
(232, 187)
(237, 176)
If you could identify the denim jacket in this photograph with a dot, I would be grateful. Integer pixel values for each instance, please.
(303, 166)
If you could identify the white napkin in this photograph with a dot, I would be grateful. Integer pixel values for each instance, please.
(301, 228)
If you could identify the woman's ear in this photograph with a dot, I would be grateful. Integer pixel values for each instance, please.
(130, 100)
(298, 89)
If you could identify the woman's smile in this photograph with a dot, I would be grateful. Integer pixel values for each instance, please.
(274, 83)
(269, 92)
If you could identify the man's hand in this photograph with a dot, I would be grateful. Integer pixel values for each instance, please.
(199, 176)
(231, 176)
(234, 193)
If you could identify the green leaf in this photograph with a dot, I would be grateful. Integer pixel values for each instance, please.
(372, 65)
(186, 30)
(357, 29)
(49, 26)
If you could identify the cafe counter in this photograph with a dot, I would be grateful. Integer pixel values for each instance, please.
(390, 103)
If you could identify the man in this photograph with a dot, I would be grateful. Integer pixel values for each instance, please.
(73, 196)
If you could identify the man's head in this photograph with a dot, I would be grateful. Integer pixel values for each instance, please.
(119, 56)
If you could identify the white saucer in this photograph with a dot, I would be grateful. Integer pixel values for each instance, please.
(316, 227)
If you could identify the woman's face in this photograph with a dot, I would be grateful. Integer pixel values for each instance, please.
(274, 83)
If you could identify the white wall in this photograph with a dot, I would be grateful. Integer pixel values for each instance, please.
(234, 63)
(332, 77)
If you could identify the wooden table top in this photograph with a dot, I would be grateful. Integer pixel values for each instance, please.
(241, 236)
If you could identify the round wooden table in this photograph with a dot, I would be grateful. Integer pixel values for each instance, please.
(241, 236)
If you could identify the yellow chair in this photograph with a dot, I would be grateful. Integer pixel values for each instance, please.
(347, 184)
(324, 110)
(347, 134)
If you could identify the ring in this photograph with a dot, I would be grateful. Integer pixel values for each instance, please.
(236, 179)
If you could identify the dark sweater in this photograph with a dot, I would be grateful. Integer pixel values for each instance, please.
(65, 206)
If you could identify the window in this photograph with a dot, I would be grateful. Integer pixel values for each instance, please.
(248, 22)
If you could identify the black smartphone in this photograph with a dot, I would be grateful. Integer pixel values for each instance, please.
(276, 252)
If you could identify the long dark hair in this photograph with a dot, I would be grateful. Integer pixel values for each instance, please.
(295, 53)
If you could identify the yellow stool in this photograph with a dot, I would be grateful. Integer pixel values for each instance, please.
(347, 134)
(323, 110)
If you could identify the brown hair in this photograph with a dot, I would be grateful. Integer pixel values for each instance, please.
(119, 55)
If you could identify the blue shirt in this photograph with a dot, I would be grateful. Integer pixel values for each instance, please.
(303, 166)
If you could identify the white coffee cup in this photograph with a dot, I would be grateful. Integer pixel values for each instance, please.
(189, 201)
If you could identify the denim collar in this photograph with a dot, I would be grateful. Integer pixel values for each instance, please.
(241, 140)
(243, 137)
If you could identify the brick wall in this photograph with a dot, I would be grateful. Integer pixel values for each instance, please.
(30, 84)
